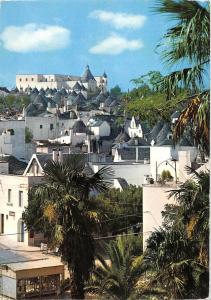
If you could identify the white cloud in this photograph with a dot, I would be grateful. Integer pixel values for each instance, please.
(116, 44)
(34, 37)
(119, 20)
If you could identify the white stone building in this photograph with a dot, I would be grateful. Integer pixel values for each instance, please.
(134, 173)
(58, 81)
(12, 139)
(14, 197)
(135, 129)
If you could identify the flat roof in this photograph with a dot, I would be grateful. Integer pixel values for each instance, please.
(20, 259)
(49, 262)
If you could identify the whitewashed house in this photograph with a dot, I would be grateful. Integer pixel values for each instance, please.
(99, 127)
(135, 128)
(14, 197)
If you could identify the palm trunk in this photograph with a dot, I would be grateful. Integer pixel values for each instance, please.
(76, 286)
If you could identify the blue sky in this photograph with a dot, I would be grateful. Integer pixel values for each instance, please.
(63, 36)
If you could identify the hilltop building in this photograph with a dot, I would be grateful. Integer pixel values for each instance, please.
(57, 81)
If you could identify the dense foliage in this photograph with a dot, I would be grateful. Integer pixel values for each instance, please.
(121, 210)
(186, 47)
(179, 251)
(14, 102)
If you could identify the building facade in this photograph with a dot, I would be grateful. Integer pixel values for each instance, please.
(58, 81)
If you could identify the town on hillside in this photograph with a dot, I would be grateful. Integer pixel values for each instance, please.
(104, 194)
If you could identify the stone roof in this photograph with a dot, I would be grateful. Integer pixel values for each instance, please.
(63, 92)
(83, 87)
(4, 89)
(109, 100)
(15, 90)
(57, 97)
(43, 158)
(77, 86)
(122, 182)
(80, 100)
(73, 93)
(122, 137)
(16, 167)
(137, 142)
(101, 98)
(35, 90)
(87, 75)
(175, 115)
(79, 127)
(155, 131)
(163, 134)
(104, 74)
(130, 153)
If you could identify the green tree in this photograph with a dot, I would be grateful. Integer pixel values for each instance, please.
(179, 251)
(64, 200)
(121, 210)
(121, 276)
(187, 43)
(148, 82)
(28, 135)
(116, 91)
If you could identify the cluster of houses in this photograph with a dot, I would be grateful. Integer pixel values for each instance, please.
(71, 115)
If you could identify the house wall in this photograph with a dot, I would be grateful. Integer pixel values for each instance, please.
(10, 146)
(44, 133)
(11, 210)
(163, 153)
(133, 173)
(8, 142)
(154, 200)
(8, 287)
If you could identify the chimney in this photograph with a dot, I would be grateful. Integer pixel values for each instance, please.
(55, 155)
(60, 156)
(136, 154)
(88, 143)
(4, 167)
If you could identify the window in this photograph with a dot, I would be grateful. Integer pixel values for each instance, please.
(20, 79)
(32, 79)
(20, 198)
(9, 195)
(40, 126)
(51, 126)
(26, 79)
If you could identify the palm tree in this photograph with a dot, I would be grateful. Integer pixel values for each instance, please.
(64, 195)
(187, 42)
(179, 250)
(122, 276)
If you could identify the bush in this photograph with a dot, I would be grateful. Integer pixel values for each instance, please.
(166, 175)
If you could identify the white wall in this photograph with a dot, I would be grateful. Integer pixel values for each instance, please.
(154, 200)
(8, 287)
(44, 133)
(163, 153)
(12, 144)
(8, 209)
(133, 173)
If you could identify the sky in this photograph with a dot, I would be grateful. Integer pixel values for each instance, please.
(63, 36)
